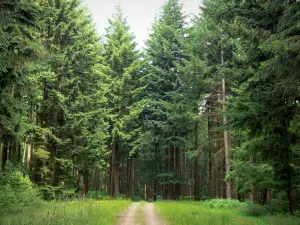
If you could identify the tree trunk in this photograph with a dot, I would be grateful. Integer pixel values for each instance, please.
(111, 173)
(211, 160)
(29, 153)
(169, 170)
(4, 152)
(116, 181)
(227, 155)
(85, 185)
(1, 155)
(77, 177)
(177, 184)
(290, 194)
(122, 189)
(197, 170)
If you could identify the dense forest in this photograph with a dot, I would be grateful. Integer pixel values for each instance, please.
(209, 109)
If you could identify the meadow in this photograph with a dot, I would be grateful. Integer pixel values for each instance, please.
(77, 212)
(202, 213)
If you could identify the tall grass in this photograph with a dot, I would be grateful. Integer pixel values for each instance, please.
(196, 213)
(79, 212)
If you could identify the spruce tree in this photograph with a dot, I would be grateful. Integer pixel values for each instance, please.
(69, 111)
(165, 115)
(18, 48)
(123, 67)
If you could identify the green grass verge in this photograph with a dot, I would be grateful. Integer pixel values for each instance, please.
(88, 212)
(197, 213)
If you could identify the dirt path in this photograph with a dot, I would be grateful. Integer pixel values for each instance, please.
(140, 214)
(151, 216)
(128, 218)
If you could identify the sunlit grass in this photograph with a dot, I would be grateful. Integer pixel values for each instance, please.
(78, 212)
(196, 213)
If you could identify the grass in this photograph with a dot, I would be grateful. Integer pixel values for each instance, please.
(197, 213)
(86, 212)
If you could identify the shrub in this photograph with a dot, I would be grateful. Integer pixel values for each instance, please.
(99, 195)
(226, 203)
(50, 193)
(278, 206)
(137, 198)
(16, 191)
(188, 198)
(256, 210)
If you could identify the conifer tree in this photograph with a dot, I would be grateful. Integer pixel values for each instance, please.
(123, 66)
(165, 115)
(18, 47)
(69, 112)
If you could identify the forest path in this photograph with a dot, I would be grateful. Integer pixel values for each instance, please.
(140, 214)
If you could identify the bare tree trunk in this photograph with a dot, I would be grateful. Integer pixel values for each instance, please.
(211, 160)
(290, 192)
(1, 155)
(4, 152)
(116, 181)
(173, 170)
(111, 172)
(177, 184)
(197, 170)
(85, 185)
(29, 153)
(94, 178)
(251, 194)
(122, 188)
(130, 177)
(77, 177)
(227, 155)
(169, 170)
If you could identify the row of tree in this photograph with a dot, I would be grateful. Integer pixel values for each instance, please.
(209, 109)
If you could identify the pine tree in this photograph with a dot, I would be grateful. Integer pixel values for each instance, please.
(69, 111)
(165, 115)
(18, 46)
(266, 103)
(123, 69)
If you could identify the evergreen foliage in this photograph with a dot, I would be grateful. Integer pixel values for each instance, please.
(210, 109)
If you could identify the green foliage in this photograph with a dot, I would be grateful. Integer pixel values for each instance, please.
(17, 191)
(256, 210)
(51, 193)
(226, 203)
(278, 206)
(99, 195)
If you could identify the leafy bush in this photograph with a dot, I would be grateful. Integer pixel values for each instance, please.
(226, 203)
(188, 198)
(278, 206)
(16, 191)
(137, 198)
(99, 195)
(256, 210)
(50, 193)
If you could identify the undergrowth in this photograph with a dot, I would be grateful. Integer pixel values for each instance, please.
(78, 212)
(219, 212)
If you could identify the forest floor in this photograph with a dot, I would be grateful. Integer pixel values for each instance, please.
(140, 213)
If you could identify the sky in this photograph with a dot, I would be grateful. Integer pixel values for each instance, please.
(140, 14)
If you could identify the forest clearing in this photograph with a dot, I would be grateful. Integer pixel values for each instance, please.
(150, 112)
